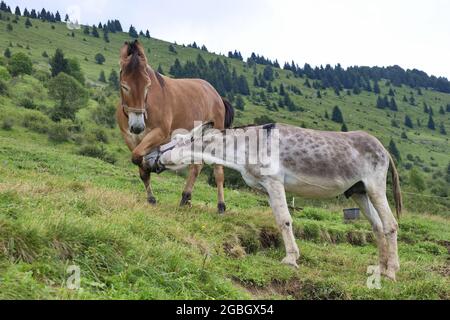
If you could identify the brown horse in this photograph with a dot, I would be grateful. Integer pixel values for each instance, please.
(154, 106)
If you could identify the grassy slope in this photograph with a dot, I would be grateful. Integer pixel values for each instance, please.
(58, 209)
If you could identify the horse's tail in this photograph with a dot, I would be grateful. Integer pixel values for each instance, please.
(396, 188)
(229, 114)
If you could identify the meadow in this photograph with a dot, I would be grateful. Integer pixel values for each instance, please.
(60, 208)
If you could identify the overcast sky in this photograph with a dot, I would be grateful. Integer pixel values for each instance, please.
(410, 33)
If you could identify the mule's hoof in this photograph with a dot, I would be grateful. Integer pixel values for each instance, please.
(290, 261)
(389, 274)
(186, 199)
(152, 201)
(221, 208)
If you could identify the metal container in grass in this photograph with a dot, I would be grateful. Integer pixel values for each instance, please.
(352, 214)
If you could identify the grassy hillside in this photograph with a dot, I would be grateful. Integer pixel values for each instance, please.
(425, 149)
(59, 208)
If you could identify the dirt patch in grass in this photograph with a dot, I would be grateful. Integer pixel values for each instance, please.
(297, 289)
(270, 237)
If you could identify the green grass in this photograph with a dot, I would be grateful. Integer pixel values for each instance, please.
(59, 209)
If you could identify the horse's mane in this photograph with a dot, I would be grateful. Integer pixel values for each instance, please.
(135, 58)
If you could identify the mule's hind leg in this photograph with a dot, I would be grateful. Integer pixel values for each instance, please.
(362, 200)
(194, 172)
(220, 179)
(283, 218)
(390, 226)
(145, 177)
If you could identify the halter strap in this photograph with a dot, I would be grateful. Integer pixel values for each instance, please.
(126, 109)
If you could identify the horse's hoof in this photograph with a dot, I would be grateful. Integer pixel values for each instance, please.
(290, 261)
(152, 201)
(186, 199)
(221, 208)
(137, 160)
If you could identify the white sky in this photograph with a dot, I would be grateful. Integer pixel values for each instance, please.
(410, 33)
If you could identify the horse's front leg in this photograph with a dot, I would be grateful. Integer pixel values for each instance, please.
(153, 139)
(145, 177)
(194, 172)
(277, 195)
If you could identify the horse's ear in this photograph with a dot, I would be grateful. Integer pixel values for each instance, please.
(124, 51)
(140, 49)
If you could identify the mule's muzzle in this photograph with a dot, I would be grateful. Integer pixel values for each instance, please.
(152, 162)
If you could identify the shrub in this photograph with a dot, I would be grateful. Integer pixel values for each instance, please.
(60, 131)
(416, 180)
(105, 115)
(3, 88)
(36, 122)
(101, 135)
(4, 74)
(27, 103)
(263, 120)
(99, 58)
(98, 152)
(7, 124)
(20, 64)
(42, 76)
(69, 95)
(233, 179)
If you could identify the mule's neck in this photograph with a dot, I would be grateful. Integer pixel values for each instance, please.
(216, 150)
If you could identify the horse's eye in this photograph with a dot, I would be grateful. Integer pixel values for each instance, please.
(125, 88)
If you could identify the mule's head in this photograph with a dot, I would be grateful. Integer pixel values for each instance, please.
(134, 85)
(177, 154)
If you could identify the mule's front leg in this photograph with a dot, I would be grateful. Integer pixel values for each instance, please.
(280, 209)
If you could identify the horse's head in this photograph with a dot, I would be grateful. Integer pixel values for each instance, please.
(134, 85)
(176, 155)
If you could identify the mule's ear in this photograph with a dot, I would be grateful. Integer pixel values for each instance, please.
(200, 130)
(207, 126)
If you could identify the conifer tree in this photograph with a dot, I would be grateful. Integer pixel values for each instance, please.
(393, 150)
(431, 124)
(102, 77)
(95, 32)
(337, 115)
(132, 32)
(113, 79)
(7, 53)
(408, 122)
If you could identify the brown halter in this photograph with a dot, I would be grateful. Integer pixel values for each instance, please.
(126, 109)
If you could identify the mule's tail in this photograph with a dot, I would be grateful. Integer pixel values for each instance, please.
(229, 113)
(396, 188)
